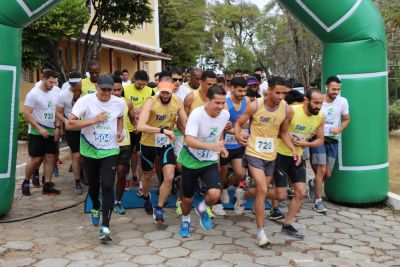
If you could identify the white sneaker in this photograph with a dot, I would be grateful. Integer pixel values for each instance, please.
(262, 240)
(218, 210)
(239, 203)
(225, 196)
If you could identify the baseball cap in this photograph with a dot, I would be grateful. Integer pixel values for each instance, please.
(105, 82)
(165, 87)
(252, 80)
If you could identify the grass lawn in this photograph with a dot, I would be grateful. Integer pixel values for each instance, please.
(394, 162)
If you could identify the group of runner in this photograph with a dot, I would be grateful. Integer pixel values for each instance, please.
(212, 132)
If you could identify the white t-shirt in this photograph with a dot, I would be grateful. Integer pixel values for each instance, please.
(207, 129)
(101, 137)
(55, 88)
(65, 86)
(263, 88)
(182, 92)
(126, 83)
(333, 113)
(43, 106)
(65, 101)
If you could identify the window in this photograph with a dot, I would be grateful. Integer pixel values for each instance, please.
(27, 76)
(145, 66)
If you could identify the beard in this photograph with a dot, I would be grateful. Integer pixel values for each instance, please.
(165, 102)
(313, 111)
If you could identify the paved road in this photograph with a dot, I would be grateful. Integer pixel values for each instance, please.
(344, 237)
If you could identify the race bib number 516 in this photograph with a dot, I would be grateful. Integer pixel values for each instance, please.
(264, 145)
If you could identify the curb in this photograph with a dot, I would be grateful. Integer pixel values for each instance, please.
(393, 200)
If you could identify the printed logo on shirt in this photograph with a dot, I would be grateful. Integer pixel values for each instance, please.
(161, 117)
(300, 127)
(134, 98)
(264, 119)
(49, 104)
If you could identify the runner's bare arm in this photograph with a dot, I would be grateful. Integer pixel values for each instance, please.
(285, 137)
(120, 127)
(344, 124)
(74, 123)
(131, 112)
(182, 119)
(250, 110)
(187, 103)
(195, 143)
(31, 120)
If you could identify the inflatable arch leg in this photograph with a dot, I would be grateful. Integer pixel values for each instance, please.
(14, 15)
(354, 48)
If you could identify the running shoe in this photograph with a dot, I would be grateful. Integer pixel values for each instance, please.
(184, 232)
(178, 209)
(48, 189)
(95, 217)
(78, 188)
(262, 240)
(249, 182)
(218, 209)
(25, 188)
(56, 172)
(319, 207)
(276, 214)
(148, 207)
(290, 193)
(311, 190)
(51, 183)
(36, 180)
(225, 196)
(210, 213)
(119, 209)
(205, 221)
(239, 203)
(290, 230)
(105, 234)
(158, 215)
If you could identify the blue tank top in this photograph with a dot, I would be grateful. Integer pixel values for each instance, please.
(230, 141)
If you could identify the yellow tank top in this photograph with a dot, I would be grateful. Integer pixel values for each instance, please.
(300, 128)
(127, 138)
(161, 116)
(264, 130)
(88, 87)
(197, 101)
(138, 98)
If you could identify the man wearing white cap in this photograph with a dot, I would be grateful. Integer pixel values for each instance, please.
(156, 122)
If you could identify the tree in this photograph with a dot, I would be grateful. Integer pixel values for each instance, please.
(40, 40)
(233, 26)
(182, 30)
(121, 16)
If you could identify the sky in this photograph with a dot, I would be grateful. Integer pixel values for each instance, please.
(259, 3)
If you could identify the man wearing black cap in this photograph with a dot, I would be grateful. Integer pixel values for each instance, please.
(100, 118)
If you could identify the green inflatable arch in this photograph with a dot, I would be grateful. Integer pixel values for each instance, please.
(354, 49)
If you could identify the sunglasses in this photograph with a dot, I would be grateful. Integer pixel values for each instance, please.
(177, 79)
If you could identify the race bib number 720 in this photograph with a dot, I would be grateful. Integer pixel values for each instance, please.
(264, 145)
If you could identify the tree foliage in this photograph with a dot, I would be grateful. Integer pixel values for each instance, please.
(121, 16)
(40, 40)
(182, 30)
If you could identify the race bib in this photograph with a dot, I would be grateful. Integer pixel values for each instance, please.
(161, 140)
(101, 137)
(49, 115)
(230, 139)
(202, 154)
(101, 134)
(328, 129)
(297, 136)
(264, 145)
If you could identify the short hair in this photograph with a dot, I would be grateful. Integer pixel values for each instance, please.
(239, 81)
(156, 74)
(194, 70)
(208, 74)
(258, 69)
(215, 90)
(294, 96)
(246, 72)
(152, 85)
(163, 74)
(117, 79)
(117, 73)
(229, 73)
(141, 75)
(165, 78)
(258, 77)
(220, 80)
(311, 91)
(125, 70)
(238, 71)
(93, 62)
(276, 80)
(332, 79)
(75, 74)
(47, 73)
(176, 70)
